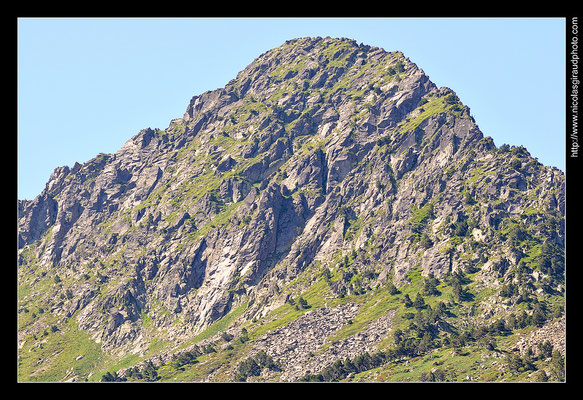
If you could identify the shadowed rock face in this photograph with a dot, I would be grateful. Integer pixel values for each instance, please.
(319, 148)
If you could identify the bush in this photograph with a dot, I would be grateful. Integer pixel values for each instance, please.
(515, 164)
(393, 290)
(407, 301)
(227, 337)
(451, 99)
(509, 290)
(244, 336)
(341, 369)
(430, 286)
(419, 302)
(186, 358)
(425, 242)
(252, 366)
(469, 199)
(545, 349)
(433, 376)
(264, 360)
(109, 377)
(150, 373)
(302, 304)
(514, 363)
(460, 228)
(246, 368)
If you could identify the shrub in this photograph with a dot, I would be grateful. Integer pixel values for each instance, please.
(150, 373)
(515, 164)
(302, 304)
(425, 242)
(419, 302)
(252, 366)
(407, 301)
(392, 288)
(430, 286)
(514, 363)
(109, 377)
(460, 228)
(246, 368)
(244, 336)
(451, 99)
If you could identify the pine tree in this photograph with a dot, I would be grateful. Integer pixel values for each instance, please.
(514, 363)
(538, 316)
(419, 302)
(408, 302)
(150, 373)
(545, 350)
(392, 288)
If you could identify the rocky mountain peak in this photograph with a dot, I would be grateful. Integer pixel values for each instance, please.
(325, 170)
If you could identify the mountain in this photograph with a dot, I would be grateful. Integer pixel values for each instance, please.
(330, 214)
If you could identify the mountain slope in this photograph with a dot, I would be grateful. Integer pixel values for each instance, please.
(326, 171)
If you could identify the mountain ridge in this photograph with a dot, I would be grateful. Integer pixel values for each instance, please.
(321, 155)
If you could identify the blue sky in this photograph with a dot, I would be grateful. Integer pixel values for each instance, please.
(86, 86)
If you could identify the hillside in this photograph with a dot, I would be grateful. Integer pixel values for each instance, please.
(330, 214)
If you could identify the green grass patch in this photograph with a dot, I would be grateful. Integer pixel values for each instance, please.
(61, 355)
(220, 325)
(433, 106)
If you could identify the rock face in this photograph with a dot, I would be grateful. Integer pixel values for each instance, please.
(294, 347)
(320, 149)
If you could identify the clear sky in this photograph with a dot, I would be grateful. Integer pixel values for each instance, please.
(86, 86)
